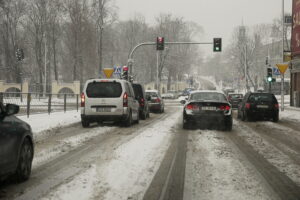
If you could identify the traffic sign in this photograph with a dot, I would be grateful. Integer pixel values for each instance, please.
(282, 67)
(108, 72)
(276, 71)
(118, 70)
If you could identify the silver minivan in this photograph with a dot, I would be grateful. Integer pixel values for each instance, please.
(108, 100)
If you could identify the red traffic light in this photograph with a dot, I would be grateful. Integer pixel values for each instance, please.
(160, 43)
(125, 68)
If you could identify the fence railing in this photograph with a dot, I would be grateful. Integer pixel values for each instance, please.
(32, 103)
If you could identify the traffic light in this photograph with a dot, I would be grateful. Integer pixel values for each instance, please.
(125, 73)
(160, 43)
(270, 75)
(20, 54)
(217, 44)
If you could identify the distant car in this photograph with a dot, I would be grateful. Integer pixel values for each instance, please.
(259, 106)
(235, 99)
(207, 108)
(108, 100)
(156, 104)
(16, 144)
(168, 96)
(140, 95)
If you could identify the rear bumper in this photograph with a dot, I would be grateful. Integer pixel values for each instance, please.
(262, 113)
(155, 106)
(208, 118)
(96, 118)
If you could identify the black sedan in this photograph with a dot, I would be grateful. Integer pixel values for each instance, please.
(16, 144)
(209, 109)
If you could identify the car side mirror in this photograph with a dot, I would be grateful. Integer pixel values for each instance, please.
(11, 109)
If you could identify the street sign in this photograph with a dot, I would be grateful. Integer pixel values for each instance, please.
(276, 71)
(118, 70)
(282, 67)
(108, 72)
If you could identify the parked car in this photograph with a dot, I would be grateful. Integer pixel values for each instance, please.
(235, 99)
(259, 106)
(108, 100)
(143, 101)
(16, 144)
(207, 108)
(156, 104)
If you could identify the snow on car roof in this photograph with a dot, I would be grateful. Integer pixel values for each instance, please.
(206, 91)
(151, 91)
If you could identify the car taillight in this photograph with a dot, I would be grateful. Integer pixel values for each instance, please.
(276, 106)
(192, 107)
(248, 105)
(226, 107)
(142, 102)
(157, 100)
(125, 100)
(82, 98)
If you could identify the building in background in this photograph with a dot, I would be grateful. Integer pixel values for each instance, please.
(295, 50)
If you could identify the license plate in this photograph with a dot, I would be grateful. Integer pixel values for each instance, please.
(208, 108)
(262, 106)
(104, 109)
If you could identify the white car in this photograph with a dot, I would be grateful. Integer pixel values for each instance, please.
(108, 100)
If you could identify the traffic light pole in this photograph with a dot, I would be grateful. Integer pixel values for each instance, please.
(130, 56)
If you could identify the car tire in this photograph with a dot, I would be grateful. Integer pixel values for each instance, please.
(25, 161)
(128, 121)
(144, 115)
(138, 118)
(276, 118)
(243, 116)
(148, 114)
(85, 123)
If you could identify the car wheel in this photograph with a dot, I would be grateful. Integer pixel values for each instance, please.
(144, 115)
(276, 118)
(148, 114)
(85, 123)
(138, 118)
(128, 121)
(228, 125)
(25, 161)
(243, 116)
(186, 125)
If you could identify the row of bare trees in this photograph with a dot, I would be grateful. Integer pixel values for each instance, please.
(68, 40)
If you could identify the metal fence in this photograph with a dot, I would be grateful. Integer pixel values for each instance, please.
(32, 103)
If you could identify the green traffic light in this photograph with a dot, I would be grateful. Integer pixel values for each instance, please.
(269, 79)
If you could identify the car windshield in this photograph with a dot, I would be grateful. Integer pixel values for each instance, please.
(260, 98)
(207, 96)
(152, 94)
(235, 96)
(104, 90)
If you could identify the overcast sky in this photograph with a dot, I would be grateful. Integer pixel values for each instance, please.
(217, 17)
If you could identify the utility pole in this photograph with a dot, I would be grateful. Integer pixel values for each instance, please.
(282, 75)
(45, 66)
(246, 85)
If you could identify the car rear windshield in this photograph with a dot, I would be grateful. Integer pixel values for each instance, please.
(236, 96)
(261, 98)
(138, 91)
(104, 90)
(152, 94)
(208, 96)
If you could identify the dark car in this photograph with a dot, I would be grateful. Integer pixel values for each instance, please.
(156, 103)
(16, 144)
(143, 101)
(235, 99)
(207, 109)
(259, 106)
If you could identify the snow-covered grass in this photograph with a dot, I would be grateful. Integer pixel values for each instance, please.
(290, 113)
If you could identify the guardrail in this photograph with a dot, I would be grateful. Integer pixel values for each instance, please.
(31, 103)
